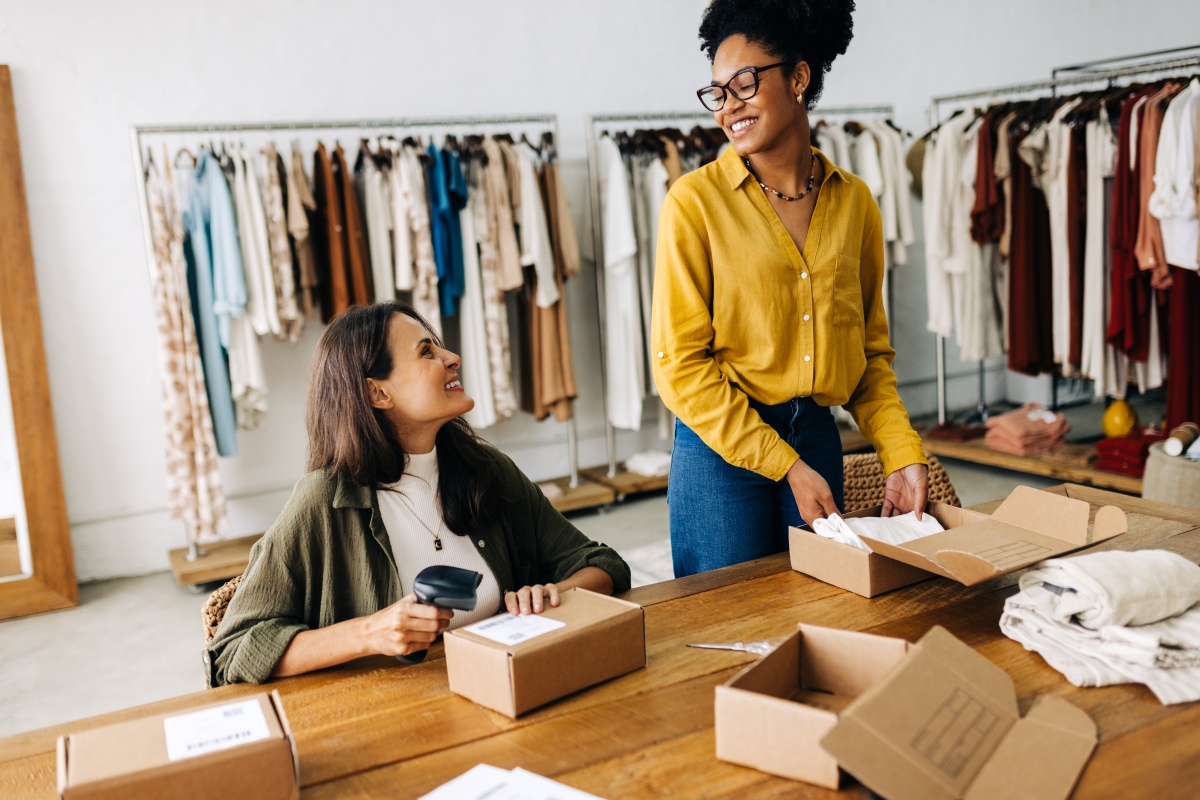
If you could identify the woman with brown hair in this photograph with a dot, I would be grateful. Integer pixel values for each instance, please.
(398, 482)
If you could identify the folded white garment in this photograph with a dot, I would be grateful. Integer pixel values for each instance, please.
(650, 463)
(1114, 587)
(892, 530)
(1162, 655)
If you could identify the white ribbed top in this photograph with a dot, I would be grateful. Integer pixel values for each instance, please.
(411, 514)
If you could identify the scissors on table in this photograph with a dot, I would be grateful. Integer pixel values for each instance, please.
(758, 648)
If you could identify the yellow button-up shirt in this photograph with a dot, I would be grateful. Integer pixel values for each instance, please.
(739, 313)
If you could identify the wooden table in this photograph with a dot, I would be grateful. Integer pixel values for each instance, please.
(376, 729)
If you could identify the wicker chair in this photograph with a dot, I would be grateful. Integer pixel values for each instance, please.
(214, 607)
(865, 482)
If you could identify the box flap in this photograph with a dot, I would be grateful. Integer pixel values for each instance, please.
(1042, 756)
(930, 725)
(845, 663)
(1110, 521)
(1048, 514)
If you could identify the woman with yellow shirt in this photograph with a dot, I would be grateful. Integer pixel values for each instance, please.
(768, 303)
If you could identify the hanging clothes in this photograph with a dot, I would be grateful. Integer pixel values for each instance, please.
(372, 171)
(194, 491)
(425, 292)
(302, 218)
(256, 252)
(1173, 201)
(354, 239)
(557, 369)
(624, 350)
(401, 196)
(474, 369)
(332, 277)
(283, 276)
(215, 282)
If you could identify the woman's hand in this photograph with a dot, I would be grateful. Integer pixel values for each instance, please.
(906, 490)
(404, 627)
(812, 493)
(531, 599)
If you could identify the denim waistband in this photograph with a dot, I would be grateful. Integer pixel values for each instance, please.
(786, 416)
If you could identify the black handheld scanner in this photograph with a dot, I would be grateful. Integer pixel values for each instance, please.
(444, 587)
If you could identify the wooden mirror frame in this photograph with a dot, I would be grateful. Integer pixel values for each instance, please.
(52, 583)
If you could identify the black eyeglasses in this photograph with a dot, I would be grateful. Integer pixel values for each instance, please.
(743, 85)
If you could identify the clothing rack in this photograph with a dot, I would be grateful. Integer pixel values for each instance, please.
(1083, 74)
(457, 125)
(596, 124)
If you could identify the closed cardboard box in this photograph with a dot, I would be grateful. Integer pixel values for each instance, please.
(239, 748)
(515, 664)
(773, 714)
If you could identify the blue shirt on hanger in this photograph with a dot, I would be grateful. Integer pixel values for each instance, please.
(451, 288)
(439, 215)
(216, 277)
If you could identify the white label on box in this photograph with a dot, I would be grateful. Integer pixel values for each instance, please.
(513, 629)
(213, 729)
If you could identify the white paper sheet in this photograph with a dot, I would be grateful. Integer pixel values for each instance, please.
(485, 782)
(213, 729)
(511, 629)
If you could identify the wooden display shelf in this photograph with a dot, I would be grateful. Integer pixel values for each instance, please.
(221, 561)
(625, 483)
(586, 495)
(1047, 464)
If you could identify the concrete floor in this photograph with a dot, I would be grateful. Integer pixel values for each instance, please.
(137, 640)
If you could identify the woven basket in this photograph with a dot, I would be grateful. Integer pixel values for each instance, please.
(214, 607)
(865, 481)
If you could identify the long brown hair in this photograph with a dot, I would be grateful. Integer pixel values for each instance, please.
(347, 435)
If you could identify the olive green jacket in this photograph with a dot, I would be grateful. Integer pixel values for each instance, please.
(328, 559)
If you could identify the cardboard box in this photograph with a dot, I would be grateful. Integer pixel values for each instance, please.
(861, 571)
(193, 754)
(772, 715)
(603, 637)
(1029, 526)
(944, 725)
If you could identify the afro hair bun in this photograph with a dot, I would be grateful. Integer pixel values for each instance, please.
(816, 31)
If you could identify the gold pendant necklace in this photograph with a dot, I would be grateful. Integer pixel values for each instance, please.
(437, 540)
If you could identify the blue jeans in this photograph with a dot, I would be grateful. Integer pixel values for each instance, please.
(721, 514)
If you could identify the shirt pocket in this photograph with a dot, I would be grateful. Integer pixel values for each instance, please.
(847, 293)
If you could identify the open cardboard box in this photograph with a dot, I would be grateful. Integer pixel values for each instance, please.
(1029, 526)
(603, 637)
(945, 725)
(194, 754)
(862, 571)
(772, 715)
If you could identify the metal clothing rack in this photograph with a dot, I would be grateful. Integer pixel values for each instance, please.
(399, 125)
(597, 123)
(1082, 74)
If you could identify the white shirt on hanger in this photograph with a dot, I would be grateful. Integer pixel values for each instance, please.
(475, 369)
(624, 354)
(536, 250)
(1174, 200)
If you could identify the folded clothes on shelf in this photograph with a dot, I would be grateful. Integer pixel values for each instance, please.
(1029, 429)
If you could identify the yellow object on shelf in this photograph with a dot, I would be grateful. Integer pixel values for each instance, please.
(1119, 420)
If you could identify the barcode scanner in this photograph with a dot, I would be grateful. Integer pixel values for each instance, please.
(443, 587)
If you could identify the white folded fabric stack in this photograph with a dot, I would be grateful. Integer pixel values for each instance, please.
(650, 463)
(1114, 617)
(892, 530)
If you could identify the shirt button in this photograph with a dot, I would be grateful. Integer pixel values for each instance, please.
(806, 317)
(660, 353)
(481, 544)
(803, 274)
(808, 358)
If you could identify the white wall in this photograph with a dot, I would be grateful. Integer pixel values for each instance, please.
(84, 72)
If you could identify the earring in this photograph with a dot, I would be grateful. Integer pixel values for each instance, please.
(800, 97)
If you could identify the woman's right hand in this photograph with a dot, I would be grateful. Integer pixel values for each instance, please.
(404, 627)
(812, 493)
